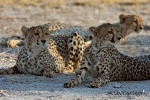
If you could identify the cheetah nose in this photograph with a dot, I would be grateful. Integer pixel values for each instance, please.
(142, 28)
(43, 41)
(118, 38)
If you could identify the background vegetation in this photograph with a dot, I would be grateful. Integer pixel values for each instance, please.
(60, 3)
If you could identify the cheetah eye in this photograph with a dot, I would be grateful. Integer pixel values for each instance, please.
(135, 22)
(36, 33)
(46, 33)
(97, 68)
(118, 38)
(111, 32)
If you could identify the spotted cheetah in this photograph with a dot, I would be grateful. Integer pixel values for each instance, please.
(45, 54)
(105, 63)
(129, 24)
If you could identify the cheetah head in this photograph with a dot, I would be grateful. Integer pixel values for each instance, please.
(38, 35)
(105, 33)
(132, 23)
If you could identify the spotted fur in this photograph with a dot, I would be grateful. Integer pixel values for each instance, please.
(105, 63)
(61, 28)
(45, 54)
(129, 24)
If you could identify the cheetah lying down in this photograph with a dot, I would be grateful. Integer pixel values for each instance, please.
(45, 54)
(102, 61)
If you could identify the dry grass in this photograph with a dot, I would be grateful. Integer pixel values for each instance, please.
(60, 3)
(107, 2)
(36, 3)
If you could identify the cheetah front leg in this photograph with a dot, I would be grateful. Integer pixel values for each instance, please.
(69, 62)
(80, 76)
(81, 73)
(12, 70)
(102, 70)
(46, 65)
(48, 73)
(73, 63)
(44, 71)
(75, 51)
(70, 57)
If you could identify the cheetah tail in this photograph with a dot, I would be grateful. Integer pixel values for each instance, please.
(12, 70)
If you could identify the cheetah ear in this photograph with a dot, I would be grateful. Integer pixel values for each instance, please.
(122, 18)
(24, 30)
(93, 30)
(47, 25)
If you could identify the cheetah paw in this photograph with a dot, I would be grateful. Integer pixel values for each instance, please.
(3, 72)
(48, 74)
(93, 85)
(68, 85)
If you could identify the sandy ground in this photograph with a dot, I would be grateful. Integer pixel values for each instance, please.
(29, 87)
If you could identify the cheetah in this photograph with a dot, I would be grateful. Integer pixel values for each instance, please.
(129, 24)
(45, 54)
(104, 63)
